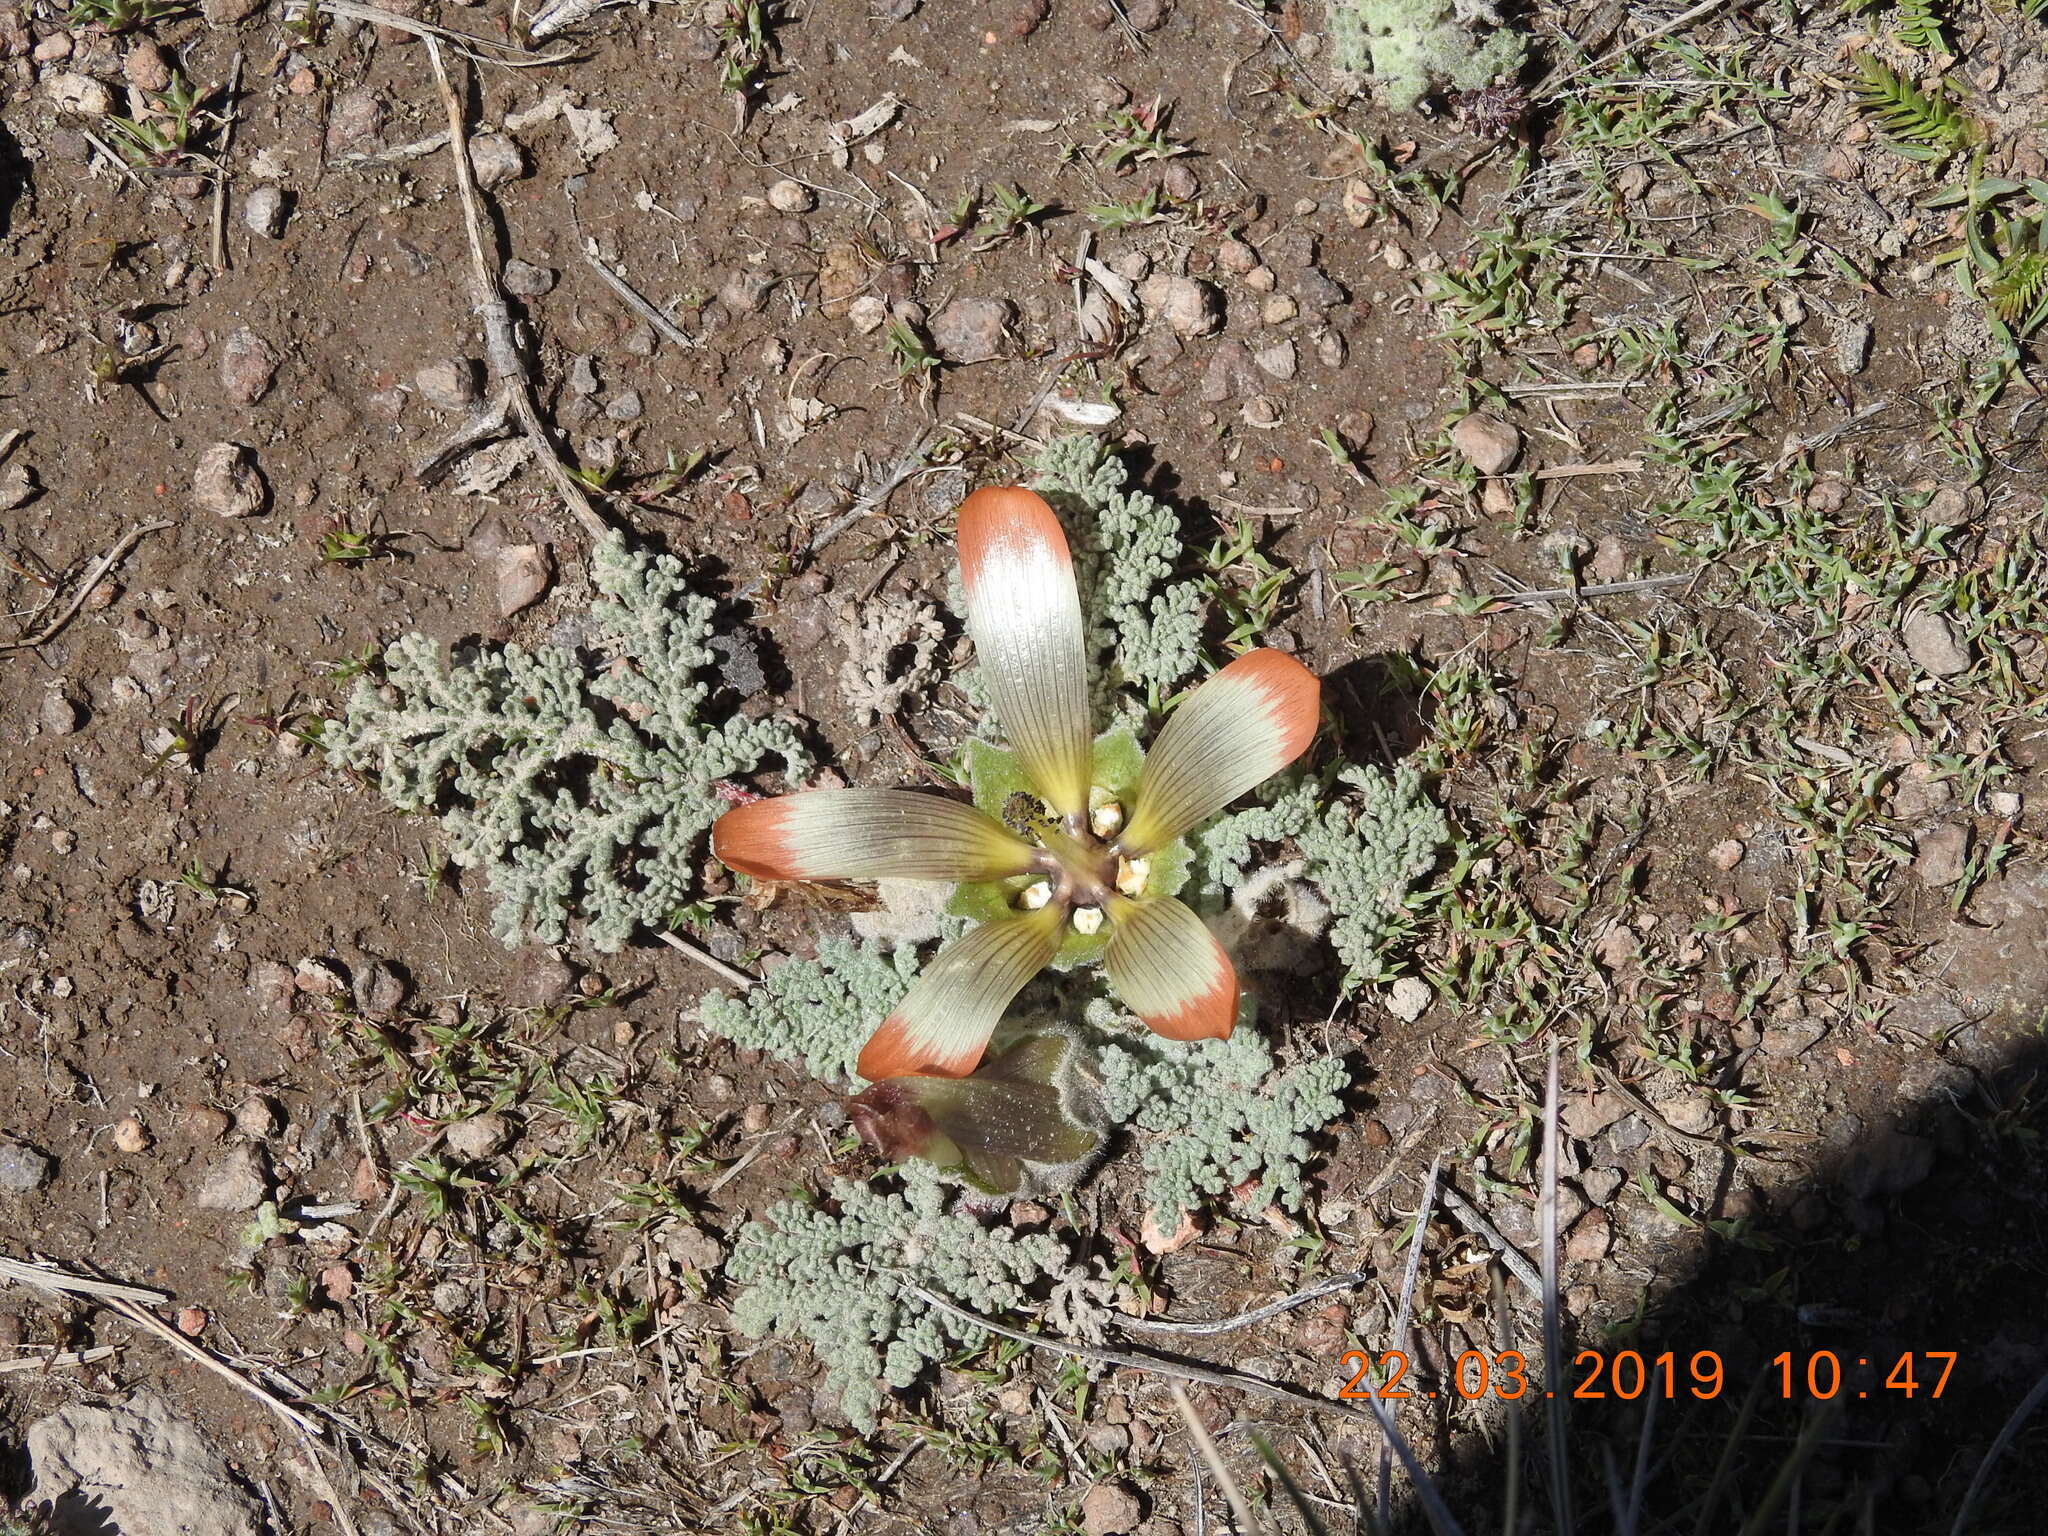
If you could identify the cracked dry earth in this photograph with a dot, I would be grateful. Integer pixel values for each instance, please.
(192, 908)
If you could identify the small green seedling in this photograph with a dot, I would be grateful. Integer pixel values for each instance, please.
(1014, 212)
(161, 137)
(1132, 211)
(116, 17)
(914, 361)
(1132, 136)
(1919, 124)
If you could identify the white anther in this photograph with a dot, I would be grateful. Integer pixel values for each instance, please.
(1131, 875)
(1107, 819)
(1035, 895)
(1087, 920)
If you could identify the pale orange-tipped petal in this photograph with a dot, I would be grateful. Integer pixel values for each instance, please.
(866, 834)
(942, 1027)
(1024, 613)
(1238, 729)
(1169, 970)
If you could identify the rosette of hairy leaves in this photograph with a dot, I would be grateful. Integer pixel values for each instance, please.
(579, 787)
(816, 1014)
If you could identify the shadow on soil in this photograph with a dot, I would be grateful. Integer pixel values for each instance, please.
(1923, 1235)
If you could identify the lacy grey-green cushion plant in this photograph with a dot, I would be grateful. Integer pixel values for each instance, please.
(579, 787)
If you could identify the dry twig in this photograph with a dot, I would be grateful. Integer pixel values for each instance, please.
(1209, 1376)
(501, 348)
(220, 175)
(50, 1278)
(1315, 1292)
(93, 578)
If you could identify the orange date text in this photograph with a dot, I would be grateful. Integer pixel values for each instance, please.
(1628, 1375)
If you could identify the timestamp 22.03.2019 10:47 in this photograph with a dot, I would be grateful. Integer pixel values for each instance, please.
(1628, 1374)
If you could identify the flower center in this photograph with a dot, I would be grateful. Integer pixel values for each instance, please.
(1080, 868)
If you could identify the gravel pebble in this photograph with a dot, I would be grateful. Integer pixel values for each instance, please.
(1408, 998)
(867, 314)
(745, 291)
(972, 330)
(526, 281)
(146, 68)
(23, 1168)
(240, 1181)
(227, 483)
(17, 485)
(264, 211)
(258, 1117)
(449, 385)
(1112, 1507)
(248, 364)
(1488, 444)
(496, 160)
(1232, 372)
(788, 196)
(60, 713)
(1590, 1239)
(479, 1137)
(1931, 642)
(80, 95)
(356, 118)
(131, 1136)
(1317, 291)
(1235, 257)
(1189, 306)
(524, 571)
(380, 990)
(1278, 360)
(1941, 853)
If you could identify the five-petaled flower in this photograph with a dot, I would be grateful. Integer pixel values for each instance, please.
(1090, 864)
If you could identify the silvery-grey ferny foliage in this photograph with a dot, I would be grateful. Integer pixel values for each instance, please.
(816, 1014)
(1219, 1112)
(1410, 46)
(837, 1281)
(1364, 852)
(580, 785)
(1144, 627)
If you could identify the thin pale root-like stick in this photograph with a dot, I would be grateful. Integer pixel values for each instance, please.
(54, 1362)
(93, 578)
(1596, 589)
(708, 960)
(1403, 1312)
(1571, 471)
(1207, 1376)
(1553, 1311)
(220, 179)
(462, 42)
(1981, 1479)
(628, 294)
(1239, 1510)
(50, 1278)
(1329, 1287)
(1677, 23)
(501, 351)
